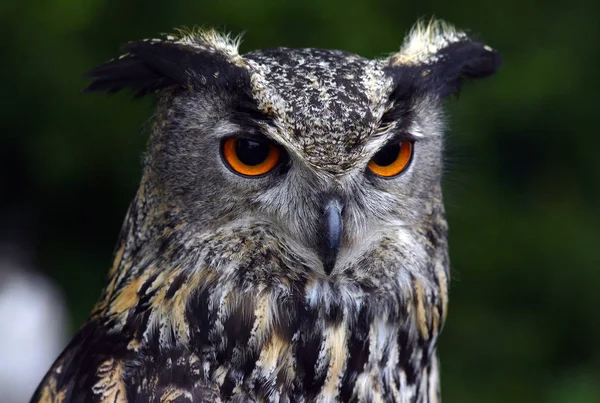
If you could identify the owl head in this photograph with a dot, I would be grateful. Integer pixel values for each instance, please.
(288, 239)
(331, 157)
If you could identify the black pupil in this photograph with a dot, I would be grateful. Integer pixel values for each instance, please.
(251, 152)
(387, 155)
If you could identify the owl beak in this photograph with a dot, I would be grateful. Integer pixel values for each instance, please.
(333, 227)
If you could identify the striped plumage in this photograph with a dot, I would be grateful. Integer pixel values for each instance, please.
(219, 290)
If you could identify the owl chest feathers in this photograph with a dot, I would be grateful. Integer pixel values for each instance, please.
(304, 340)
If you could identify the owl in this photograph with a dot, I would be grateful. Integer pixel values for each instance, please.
(288, 240)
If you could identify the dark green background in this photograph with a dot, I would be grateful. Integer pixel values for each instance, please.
(521, 187)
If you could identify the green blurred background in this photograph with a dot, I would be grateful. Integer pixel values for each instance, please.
(522, 182)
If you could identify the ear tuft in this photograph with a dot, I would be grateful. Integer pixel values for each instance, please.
(442, 57)
(128, 71)
(424, 41)
(193, 58)
(460, 62)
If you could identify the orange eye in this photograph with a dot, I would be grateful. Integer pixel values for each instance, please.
(392, 159)
(250, 157)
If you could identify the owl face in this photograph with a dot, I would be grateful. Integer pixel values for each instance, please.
(331, 154)
(322, 211)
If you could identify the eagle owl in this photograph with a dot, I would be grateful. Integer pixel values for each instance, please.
(288, 240)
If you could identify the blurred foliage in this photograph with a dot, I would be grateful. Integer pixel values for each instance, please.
(521, 187)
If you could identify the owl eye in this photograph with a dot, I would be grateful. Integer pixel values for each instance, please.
(392, 159)
(250, 157)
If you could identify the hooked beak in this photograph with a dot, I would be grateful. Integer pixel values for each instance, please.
(331, 236)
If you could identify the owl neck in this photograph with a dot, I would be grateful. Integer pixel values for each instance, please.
(253, 319)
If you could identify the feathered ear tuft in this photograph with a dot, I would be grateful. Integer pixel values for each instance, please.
(202, 58)
(443, 58)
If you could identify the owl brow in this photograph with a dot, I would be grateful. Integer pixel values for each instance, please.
(248, 116)
(252, 134)
(402, 136)
(397, 125)
(400, 113)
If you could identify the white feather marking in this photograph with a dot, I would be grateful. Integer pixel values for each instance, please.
(210, 39)
(425, 40)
